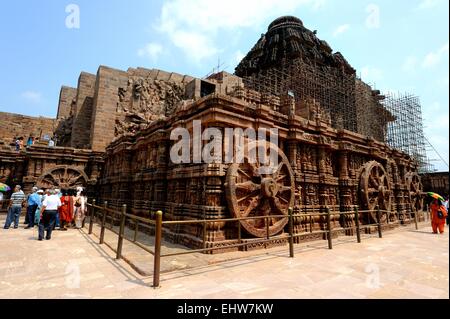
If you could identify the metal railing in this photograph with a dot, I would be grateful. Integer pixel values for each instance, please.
(100, 214)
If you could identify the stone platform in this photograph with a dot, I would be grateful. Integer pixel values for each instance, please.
(403, 264)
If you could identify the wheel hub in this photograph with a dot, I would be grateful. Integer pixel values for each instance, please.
(269, 187)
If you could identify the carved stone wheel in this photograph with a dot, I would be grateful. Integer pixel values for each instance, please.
(63, 177)
(254, 190)
(415, 191)
(375, 189)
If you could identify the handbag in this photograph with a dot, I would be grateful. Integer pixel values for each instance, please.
(440, 214)
(78, 202)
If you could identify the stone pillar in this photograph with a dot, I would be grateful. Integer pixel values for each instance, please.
(82, 116)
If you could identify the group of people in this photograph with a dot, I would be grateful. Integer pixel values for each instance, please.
(19, 142)
(49, 209)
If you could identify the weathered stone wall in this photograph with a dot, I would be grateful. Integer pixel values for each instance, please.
(105, 106)
(66, 97)
(81, 132)
(436, 182)
(17, 125)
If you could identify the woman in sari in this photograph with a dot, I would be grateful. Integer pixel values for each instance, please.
(66, 210)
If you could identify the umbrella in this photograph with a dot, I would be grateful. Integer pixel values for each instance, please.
(436, 196)
(4, 187)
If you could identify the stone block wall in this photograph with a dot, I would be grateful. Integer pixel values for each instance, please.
(83, 111)
(66, 96)
(105, 106)
(16, 125)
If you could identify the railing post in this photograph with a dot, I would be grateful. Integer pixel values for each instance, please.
(136, 225)
(379, 222)
(291, 233)
(358, 230)
(92, 216)
(330, 243)
(204, 233)
(157, 259)
(239, 232)
(121, 230)
(102, 229)
(415, 220)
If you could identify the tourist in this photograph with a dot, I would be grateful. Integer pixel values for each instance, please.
(17, 144)
(51, 143)
(30, 141)
(33, 202)
(439, 214)
(21, 143)
(37, 214)
(66, 210)
(446, 207)
(16, 202)
(79, 207)
(57, 223)
(49, 211)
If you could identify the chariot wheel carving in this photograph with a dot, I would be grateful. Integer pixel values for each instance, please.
(63, 177)
(415, 191)
(375, 189)
(253, 190)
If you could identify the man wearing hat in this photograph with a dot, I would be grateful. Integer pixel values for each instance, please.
(33, 202)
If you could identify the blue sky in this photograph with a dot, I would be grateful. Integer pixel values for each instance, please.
(398, 45)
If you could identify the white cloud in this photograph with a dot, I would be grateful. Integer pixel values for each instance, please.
(151, 50)
(200, 21)
(341, 29)
(434, 58)
(410, 64)
(371, 74)
(427, 4)
(32, 96)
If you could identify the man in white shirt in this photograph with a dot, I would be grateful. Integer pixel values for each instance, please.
(49, 211)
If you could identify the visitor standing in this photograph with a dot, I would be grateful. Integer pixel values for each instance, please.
(49, 211)
(57, 222)
(66, 210)
(33, 202)
(37, 214)
(438, 216)
(79, 207)
(16, 202)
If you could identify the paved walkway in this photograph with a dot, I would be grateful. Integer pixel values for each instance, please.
(404, 264)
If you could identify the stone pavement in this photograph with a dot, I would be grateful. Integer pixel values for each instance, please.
(403, 264)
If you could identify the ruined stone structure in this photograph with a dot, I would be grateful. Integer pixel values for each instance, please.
(330, 153)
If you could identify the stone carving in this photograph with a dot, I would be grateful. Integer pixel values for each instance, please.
(375, 188)
(63, 177)
(144, 101)
(252, 192)
(415, 191)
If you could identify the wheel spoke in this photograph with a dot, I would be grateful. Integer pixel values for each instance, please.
(253, 204)
(374, 181)
(280, 178)
(252, 194)
(284, 189)
(248, 186)
(244, 173)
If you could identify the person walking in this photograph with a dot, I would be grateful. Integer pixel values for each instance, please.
(16, 202)
(57, 222)
(438, 216)
(33, 202)
(49, 211)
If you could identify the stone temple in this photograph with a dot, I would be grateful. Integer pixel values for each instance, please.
(113, 137)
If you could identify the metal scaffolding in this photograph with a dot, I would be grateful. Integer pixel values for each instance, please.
(405, 133)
